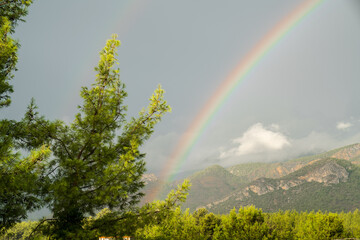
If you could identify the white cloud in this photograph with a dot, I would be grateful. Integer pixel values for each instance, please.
(258, 139)
(313, 143)
(343, 125)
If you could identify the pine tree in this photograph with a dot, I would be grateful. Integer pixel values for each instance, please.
(96, 162)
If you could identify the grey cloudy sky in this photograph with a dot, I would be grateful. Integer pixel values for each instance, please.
(303, 97)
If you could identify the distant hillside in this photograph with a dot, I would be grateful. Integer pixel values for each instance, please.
(211, 184)
(327, 185)
(252, 171)
(328, 181)
(207, 185)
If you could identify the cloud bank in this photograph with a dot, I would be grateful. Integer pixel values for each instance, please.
(258, 143)
(257, 139)
(261, 143)
(343, 125)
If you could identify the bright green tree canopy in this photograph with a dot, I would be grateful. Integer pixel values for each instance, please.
(96, 162)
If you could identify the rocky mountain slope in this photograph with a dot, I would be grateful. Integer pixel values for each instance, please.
(328, 185)
(329, 181)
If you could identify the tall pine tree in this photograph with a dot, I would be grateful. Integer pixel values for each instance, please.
(95, 162)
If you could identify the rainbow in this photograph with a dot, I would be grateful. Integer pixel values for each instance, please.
(202, 120)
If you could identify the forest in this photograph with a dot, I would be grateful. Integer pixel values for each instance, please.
(88, 173)
(245, 223)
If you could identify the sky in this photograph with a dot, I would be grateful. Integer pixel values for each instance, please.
(301, 98)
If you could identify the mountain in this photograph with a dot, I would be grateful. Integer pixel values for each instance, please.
(328, 181)
(206, 185)
(210, 184)
(328, 185)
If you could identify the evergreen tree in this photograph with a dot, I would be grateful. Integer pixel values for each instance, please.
(96, 162)
(247, 223)
(319, 226)
(207, 222)
(281, 224)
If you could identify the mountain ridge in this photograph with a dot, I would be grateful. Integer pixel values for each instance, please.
(277, 185)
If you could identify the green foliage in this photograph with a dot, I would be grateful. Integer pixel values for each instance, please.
(294, 225)
(22, 230)
(319, 226)
(247, 223)
(115, 223)
(207, 222)
(165, 220)
(80, 168)
(11, 11)
(95, 162)
(20, 182)
(351, 222)
(281, 224)
(176, 225)
(19, 178)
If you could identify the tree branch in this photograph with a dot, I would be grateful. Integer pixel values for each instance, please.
(40, 223)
